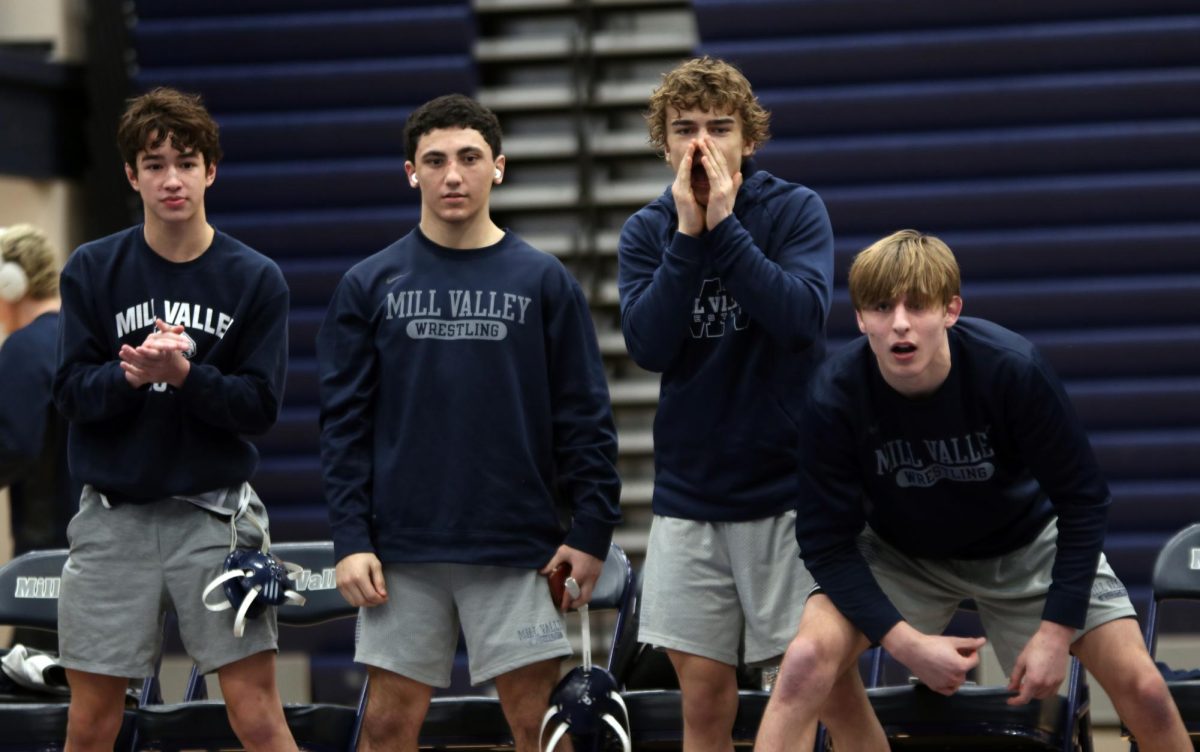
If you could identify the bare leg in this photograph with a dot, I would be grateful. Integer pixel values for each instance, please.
(525, 696)
(1115, 654)
(396, 708)
(252, 701)
(94, 718)
(849, 716)
(710, 701)
(826, 646)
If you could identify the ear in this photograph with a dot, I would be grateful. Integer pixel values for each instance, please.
(210, 174)
(410, 170)
(862, 325)
(498, 175)
(749, 148)
(953, 311)
(131, 176)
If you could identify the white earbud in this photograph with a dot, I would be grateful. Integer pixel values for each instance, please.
(499, 174)
(413, 179)
(14, 283)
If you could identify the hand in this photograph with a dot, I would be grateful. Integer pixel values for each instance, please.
(723, 183)
(1042, 664)
(158, 359)
(940, 662)
(691, 213)
(360, 580)
(585, 568)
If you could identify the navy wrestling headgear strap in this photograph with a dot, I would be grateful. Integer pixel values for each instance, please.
(252, 579)
(586, 701)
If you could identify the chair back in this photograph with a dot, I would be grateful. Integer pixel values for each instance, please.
(316, 583)
(1177, 568)
(29, 587)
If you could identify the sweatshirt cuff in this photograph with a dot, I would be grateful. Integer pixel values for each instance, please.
(201, 381)
(687, 249)
(726, 238)
(1066, 609)
(351, 541)
(591, 537)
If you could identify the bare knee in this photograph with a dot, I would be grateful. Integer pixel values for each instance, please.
(807, 671)
(92, 727)
(1146, 690)
(396, 708)
(708, 698)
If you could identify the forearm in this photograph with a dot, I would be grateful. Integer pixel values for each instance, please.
(789, 296)
(657, 301)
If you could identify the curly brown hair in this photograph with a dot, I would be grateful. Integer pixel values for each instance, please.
(712, 84)
(164, 112)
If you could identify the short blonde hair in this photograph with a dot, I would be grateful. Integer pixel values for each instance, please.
(906, 264)
(707, 83)
(27, 247)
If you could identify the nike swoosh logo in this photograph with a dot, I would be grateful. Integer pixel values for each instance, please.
(390, 280)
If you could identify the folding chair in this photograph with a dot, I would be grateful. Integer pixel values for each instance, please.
(201, 724)
(479, 722)
(1176, 577)
(29, 588)
(651, 691)
(978, 717)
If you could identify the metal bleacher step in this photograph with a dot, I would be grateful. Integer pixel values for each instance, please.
(603, 44)
(633, 393)
(513, 98)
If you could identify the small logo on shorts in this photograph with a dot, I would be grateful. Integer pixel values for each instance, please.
(540, 634)
(1109, 595)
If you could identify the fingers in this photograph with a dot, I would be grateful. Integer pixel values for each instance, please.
(360, 580)
(551, 565)
(378, 586)
(165, 327)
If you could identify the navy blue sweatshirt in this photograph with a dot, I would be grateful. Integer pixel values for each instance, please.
(974, 471)
(735, 321)
(33, 439)
(463, 401)
(157, 441)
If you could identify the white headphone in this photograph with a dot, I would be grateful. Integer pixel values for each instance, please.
(499, 174)
(413, 179)
(14, 283)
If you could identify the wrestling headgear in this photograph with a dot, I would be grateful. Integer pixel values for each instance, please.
(586, 702)
(252, 580)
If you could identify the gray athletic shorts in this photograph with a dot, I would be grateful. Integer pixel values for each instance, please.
(707, 586)
(506, 615)
(129, 564)
(1010, 590)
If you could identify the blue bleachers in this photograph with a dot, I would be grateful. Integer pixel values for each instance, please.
(1056, 147)
(329, 35)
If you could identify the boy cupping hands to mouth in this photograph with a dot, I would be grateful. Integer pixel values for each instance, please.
(705, 148)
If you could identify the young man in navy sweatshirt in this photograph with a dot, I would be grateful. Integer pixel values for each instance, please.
(172, 347)
(463, 406)
(943, 461)
(725, 288)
